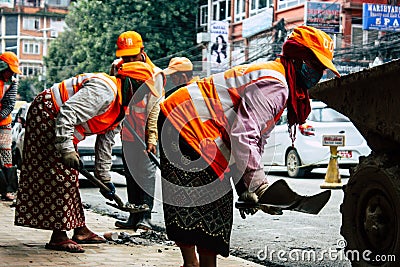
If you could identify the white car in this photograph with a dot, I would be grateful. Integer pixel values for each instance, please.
(18, 133)
(308, 152)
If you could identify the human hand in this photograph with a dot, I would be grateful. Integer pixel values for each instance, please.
(71, 160)
(108, 194)
(151, 148)
(248, 211)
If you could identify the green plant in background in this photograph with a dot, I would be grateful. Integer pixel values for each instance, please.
(29, 87)
(168, 28)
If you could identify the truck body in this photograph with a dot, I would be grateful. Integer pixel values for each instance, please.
(371, 203)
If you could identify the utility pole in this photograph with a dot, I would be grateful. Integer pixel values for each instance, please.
(209, 18)
(44, 53)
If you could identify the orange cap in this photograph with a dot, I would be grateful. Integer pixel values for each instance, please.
(129, 44)
(139, 71)
(320, 43)
(12, 60)
(178, 64)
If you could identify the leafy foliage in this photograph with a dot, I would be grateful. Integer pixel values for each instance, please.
(168, 28)
(28, 88)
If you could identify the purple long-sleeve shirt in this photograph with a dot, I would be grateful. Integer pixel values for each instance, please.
(261, 103)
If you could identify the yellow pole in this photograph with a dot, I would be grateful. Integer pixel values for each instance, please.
(332, 177)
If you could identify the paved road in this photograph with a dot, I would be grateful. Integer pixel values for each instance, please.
(292, 239)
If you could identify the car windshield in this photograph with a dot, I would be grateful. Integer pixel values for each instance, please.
(326, 115)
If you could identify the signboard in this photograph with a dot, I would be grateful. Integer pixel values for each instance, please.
(333, 140)
(381, 17)
(323, 15)
(219, 40)
(257, 23)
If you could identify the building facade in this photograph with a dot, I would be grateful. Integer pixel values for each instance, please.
(27, 29)
(354, 46)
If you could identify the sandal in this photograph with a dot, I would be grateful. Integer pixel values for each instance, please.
(8, 197)
(92, 239)
(65, 246)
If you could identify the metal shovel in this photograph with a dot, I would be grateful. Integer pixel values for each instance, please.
(132, 208)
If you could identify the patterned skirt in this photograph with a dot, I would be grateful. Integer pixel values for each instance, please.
(48, 195)
(198, 207)
(5, 145)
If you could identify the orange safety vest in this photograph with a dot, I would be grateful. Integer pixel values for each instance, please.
(204, 111)
(3, 90)
(136, 116)
(101, 123)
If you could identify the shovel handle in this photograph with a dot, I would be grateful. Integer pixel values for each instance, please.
(101, 185)
(152, 157)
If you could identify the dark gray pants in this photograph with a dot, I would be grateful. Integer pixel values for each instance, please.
(140, 175)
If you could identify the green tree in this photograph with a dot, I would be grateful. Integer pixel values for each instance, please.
(28, 88)
(168, 28)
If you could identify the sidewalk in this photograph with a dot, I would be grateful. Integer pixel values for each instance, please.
(21, 246)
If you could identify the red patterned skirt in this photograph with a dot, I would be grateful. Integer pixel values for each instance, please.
(48, 194)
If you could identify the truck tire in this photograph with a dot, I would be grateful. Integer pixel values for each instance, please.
(371, 213)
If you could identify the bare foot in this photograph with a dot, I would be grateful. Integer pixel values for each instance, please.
(66, 245)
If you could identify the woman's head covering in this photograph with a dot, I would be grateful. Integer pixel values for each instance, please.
(12, 61)
(320, 43)
(139, 71)
(178, 64)
(304, 43)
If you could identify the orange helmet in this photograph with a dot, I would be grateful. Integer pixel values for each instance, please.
(129, 43)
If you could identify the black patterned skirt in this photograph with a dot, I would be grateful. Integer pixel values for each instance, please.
(48, 194)
(198, 206)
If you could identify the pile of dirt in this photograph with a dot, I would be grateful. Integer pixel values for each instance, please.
(146, 238)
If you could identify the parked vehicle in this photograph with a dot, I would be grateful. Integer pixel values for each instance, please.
(86, 153)
(308, 152)
(18, 105)
(17, 133)
(85, 147)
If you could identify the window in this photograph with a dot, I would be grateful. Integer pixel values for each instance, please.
(58, 3)
(11, 25)
(240, 10)
(224, 8)
(282, 4)
(33, 3)
(30, 47)
(203, 15)
(221, 11)
(31, 23)
(31, 70)
(12, 45)
(215, 12)
(258, 6)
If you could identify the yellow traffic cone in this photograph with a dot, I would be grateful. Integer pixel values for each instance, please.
(332, 177)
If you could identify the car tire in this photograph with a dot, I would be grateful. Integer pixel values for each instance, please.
(293, 162)
(371, 212)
